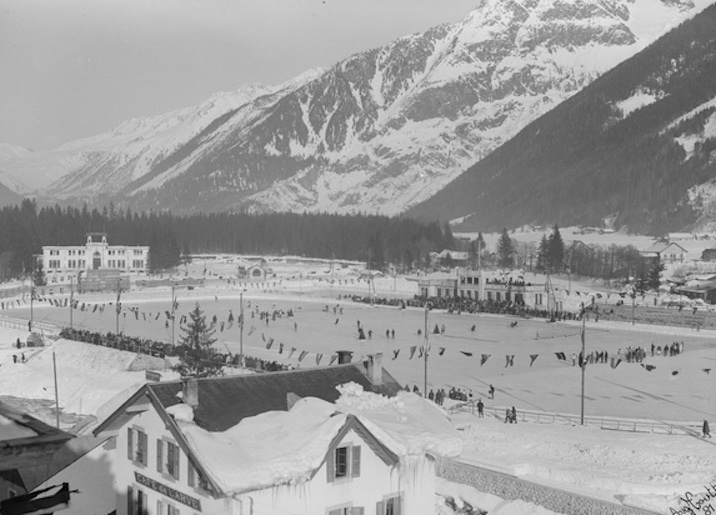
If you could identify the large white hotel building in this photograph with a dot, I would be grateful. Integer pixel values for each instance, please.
(61, 263)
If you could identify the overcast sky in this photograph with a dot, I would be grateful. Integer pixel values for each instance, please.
(75, 68)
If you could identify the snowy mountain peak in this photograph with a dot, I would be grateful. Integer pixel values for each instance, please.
(378, 132)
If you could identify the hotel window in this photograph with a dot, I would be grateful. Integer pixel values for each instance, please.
(121, 263)
(137, 502)
(348, 510)
(137, 448)
(344, 462)
(168, 458)
(389, 506)
(137, 263)
(164, 508)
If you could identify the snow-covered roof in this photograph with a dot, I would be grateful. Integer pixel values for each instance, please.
(280, 447)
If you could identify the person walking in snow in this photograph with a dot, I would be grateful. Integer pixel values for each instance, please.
(492, 392)
(480, 408)
(705, 430)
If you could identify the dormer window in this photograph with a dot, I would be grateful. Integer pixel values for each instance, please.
(344, 462)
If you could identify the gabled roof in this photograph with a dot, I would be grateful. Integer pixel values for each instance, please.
(225, 401)
(661, 246)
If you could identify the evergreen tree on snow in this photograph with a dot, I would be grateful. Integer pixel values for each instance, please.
(505, 250)
(197, 356)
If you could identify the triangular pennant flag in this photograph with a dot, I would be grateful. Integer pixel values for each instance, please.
(560, 356)
(436, 330)
(395, 353)
(533, 357)
(484, 358)
(319, 357)
(303, 354)
(420, 352)
(280, 348)
(412, 351)
(441, 351)
(333, 360)
(648, 368)
(509, 360)
(468, 354)
(615, 362)
(293, 349)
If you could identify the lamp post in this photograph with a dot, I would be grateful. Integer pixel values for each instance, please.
(241, 328)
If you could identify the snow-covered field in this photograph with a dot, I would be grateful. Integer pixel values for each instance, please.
(639, 468)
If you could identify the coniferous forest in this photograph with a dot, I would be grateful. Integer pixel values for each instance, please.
(25, 228)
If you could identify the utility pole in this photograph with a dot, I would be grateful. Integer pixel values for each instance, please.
(72, 296)
(32, 299)
(119, 305)
(584, 361)
(174, 303)
(425, 391)
(241, 328)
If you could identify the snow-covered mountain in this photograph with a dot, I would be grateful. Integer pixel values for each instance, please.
(378, 132)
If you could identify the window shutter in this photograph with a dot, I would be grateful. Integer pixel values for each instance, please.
(331, 465)
(355, 461)
(190, 474)
(130, 444)
(144, 447)
(130, 498)
(177, 470)
(159, 455)
(380, 508)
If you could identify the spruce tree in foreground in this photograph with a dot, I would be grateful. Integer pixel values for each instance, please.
(196, 352)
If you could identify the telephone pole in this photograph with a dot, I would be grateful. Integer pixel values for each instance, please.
(425, 391)
(583, 361)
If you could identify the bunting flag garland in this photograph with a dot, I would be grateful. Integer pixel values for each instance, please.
(319, 357)
(615, 362)
(533, 357)
(333, 360)
(412, 351)
(648, 368)
(302, 355)
(293, 349)
(561, 356)
(395, 353)
(441, 351)
(280, 348)
(468, 354)
(483, 358)
(509, 360)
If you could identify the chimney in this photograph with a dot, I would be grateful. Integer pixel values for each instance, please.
(190, 392)
(344, 356)
(375, 368)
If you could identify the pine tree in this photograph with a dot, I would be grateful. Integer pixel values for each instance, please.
(505, 250)
(653, 280)
(197, 356)
(556, 250)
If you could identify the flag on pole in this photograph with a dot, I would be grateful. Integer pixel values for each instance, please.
(484, 358)
(303, 354)
(412, 351)
(293, 349)
(333, 360)
(441, 351)
(468, 354)
(280, 348)
(509, 360)
(561, 356)
(319, 357)
(395, 353)
(615, 362)
(533, 357)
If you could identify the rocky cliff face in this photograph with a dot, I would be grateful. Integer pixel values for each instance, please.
(378, 132)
